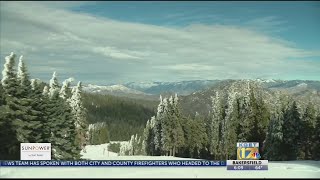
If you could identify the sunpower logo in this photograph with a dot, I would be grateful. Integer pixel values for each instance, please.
(35, 148)
(35, 151)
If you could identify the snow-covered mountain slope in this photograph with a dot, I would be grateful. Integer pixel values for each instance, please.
(188, 87)
(182, 87)
(110, 89)
(291, 169)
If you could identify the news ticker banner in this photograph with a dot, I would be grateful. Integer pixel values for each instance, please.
(231, 164)
(247, 164)
(117, 163)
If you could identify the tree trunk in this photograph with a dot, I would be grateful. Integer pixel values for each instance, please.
(170, 154)
(166, 153)
(174, 150)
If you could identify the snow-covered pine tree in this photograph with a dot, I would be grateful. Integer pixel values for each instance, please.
(29, 114)
(9, 78)
(148, 138)
(244, 109)
(213, 126)
(53, 85)
(138, 149)
(63, 132)
(15, 111)
(23, 78)
(39, 105)
(307, 132)
(65, 89)
(131, 146)
(146, 131)
(274, 139)
(98, 133)
(199, 134)
(157, 128)
(136, 145)
(79, 112)
(177, 134)
(259, 117)
(166, 140)
(188, 148)
(231, 123)
(291, 132)
(143, 148)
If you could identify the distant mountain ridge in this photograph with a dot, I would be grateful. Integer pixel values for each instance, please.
(184, 88)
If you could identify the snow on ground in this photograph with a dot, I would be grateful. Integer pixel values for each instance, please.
(292, 169)
(97, 152)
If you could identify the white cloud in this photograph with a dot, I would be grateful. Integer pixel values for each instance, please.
(118, 54)
(85, 42)
(188, 67)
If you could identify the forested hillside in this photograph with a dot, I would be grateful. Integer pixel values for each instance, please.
(240, 111)
(123, 116)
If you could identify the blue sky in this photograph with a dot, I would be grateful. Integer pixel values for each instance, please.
(117, 42)
(293, 21)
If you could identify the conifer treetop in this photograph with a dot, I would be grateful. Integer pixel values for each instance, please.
(21, 74)
(65, 87)
(8, 66)
(53, 84)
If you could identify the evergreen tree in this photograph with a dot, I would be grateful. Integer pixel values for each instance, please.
(30, 116)
(149, 136)
(39, 106)
(9, 80)
(291, 132)
(131, 146)
(230, 126)
(98, 133)
(53, 84)
(143, 148)
(177, 135)
(65, 89)
(188, 148)
(274, 140)
(199, 135)
(63, 133)
(213, 126)
(79, 113)
(23, 79)
(244, 119)
(61, 122)
(259, 118)
(13, 124)
(157, 128)
(166, 140)
(307, 132)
